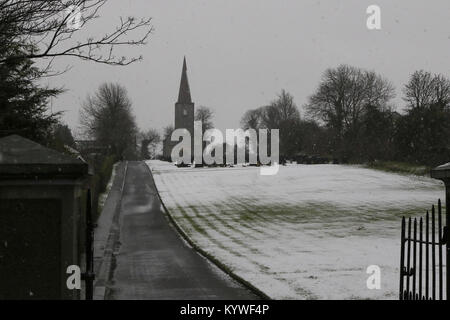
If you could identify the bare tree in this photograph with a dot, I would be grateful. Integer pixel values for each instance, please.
(281, 111)
(107, 117)
(205, 116)
(251, 119)
(442, 89)
(149, 141)
(419, 90)
(42, 29)
(341, 101)
(344, 94)
(425, 89)
(281, 114)
(167, 132)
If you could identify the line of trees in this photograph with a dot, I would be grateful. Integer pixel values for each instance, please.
(350, 118)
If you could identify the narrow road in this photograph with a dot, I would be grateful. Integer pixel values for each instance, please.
(153, 262)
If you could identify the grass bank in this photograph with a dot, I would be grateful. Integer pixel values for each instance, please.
(400, 167)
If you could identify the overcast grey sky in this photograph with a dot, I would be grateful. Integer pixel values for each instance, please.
(241, 53)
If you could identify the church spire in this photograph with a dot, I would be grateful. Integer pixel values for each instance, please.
(184, 96)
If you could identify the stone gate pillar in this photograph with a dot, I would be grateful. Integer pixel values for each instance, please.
(41, 218)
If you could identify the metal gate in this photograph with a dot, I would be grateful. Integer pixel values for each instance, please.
(89, 275)
(421, 257)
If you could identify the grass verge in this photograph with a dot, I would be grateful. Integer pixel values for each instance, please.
(400, 167)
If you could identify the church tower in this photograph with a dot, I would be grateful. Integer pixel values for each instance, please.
(184, 115)
(184, 107)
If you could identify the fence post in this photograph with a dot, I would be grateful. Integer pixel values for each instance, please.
(89, 276)
(443, 173)
(402, 260)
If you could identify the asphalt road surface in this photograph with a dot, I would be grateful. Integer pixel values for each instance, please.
(152, 261)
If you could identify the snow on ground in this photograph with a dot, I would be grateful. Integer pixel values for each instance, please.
(103, 196)
(309, 232)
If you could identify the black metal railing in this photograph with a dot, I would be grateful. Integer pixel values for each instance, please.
(418, 279)
(89, 275)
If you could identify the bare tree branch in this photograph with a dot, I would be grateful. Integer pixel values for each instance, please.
(43, 29)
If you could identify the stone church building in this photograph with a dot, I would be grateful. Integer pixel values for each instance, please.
(184, 114)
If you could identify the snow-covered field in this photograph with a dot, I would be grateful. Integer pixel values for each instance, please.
(309, 232)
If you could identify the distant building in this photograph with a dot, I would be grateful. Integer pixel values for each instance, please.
(184, 114)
